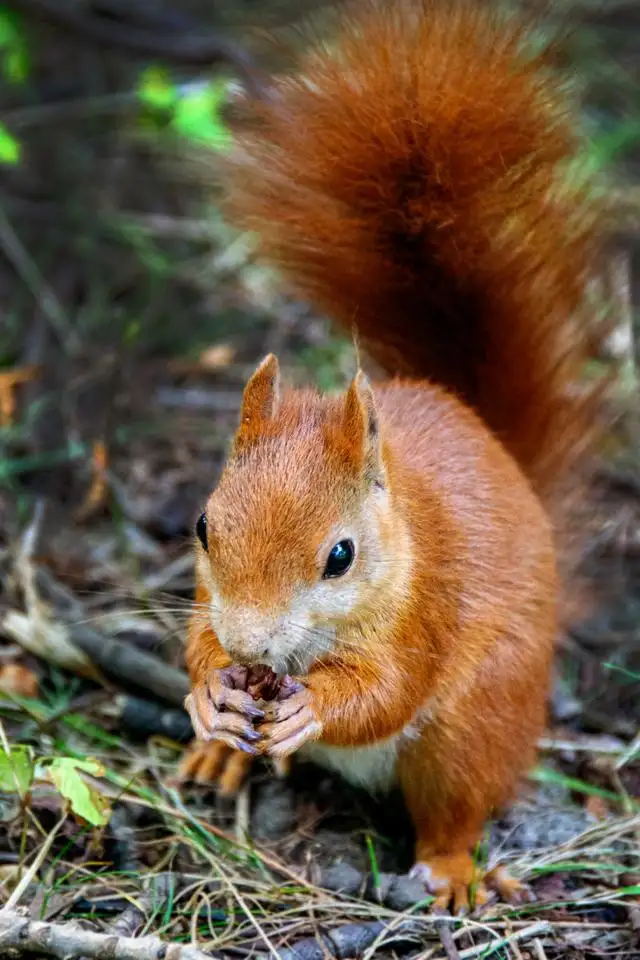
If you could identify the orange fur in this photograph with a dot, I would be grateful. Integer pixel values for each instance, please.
(410, 184)
(204, 652)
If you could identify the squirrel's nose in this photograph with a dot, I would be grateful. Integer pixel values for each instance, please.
(243, 654)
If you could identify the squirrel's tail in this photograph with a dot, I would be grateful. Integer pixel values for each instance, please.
(416, 184)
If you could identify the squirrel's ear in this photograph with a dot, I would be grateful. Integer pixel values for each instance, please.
(362, 428)
(260, 400)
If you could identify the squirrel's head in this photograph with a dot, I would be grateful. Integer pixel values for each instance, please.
(298, 541)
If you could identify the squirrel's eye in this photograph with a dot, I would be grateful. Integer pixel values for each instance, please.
(201, 530)
(339, 560)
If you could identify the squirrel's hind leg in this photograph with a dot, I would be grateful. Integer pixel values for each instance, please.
(454, 877)
(469, 757)
(215, 763)
(445, 839)
(212, 762)
(452, 780)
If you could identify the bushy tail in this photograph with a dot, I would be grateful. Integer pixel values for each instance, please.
(415, 184)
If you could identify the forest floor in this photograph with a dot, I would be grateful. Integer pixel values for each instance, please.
(95, 596)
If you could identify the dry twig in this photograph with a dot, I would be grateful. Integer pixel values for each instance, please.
(446, 939)
(68, 941)
(123, 661)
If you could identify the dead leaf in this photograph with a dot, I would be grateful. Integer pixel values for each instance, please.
(10, 873)
(48, 640)
(597, 807)
(97, 494)
(9, 380)
(217, 357)
(19, 680)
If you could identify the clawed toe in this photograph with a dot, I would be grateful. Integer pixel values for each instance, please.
(500, 881)
(215, 764)
(458, 885)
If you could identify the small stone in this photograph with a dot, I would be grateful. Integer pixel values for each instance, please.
(405, 892)
(274, 812)
(341, 878)
(378, 888)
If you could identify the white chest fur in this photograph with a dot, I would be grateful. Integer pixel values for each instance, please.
(372, 767)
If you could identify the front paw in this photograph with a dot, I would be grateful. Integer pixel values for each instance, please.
(291, 721)
(222, 709)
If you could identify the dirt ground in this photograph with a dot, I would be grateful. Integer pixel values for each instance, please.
(288, 861)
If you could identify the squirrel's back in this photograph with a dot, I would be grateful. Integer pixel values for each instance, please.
(415, 183)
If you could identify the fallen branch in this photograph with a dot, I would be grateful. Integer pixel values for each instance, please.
(122, 661)
(446, 939)
(144, 718)
(91, 654)
(20, 936)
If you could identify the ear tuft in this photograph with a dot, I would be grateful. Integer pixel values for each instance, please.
(362, 428)
(260, 400)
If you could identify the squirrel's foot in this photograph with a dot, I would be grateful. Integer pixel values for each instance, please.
(500, 881)
(454, 881)
(217, 764)
(291, 721)
(458, 884)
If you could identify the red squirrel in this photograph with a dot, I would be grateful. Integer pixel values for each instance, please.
(391, 553)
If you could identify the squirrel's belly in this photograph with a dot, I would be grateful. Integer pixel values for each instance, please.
(372, 767)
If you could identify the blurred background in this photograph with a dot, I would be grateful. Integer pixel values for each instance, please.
(130, 316)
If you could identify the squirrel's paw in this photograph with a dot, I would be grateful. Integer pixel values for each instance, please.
(500, 881)
(291, 721)
(458, 884)
(215, 763)
(221, 709)
(454, 881)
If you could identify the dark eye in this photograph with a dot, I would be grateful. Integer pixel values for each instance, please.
(201, 529)
(339, 560)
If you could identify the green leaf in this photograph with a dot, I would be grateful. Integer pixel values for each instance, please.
(373, 860)
(632, 891)
(197, 116)
(156, 89)
(85, 800)
(576, 866)
(607, 146)
(10, 34)
(9, 147)
(16, 769)
(546, 775)
(632, 675)
(132, 332)
(15, 63)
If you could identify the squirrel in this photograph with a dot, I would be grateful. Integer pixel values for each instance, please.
(391, 555)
